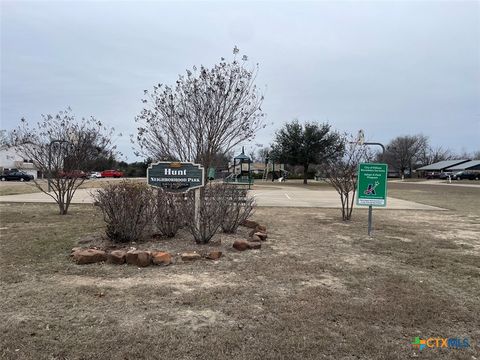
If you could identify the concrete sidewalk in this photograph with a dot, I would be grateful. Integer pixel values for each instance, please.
(269, 196)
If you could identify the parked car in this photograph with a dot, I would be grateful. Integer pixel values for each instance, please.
(432, 175)
(7, 171)
(16, 176)
(79, 174)
(95, 175)
(112, 173)
(470, 175)
(445, 175)
(393, 174)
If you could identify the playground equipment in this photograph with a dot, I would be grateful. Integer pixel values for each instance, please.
(241, 174)
(277, 171)
(211, 173)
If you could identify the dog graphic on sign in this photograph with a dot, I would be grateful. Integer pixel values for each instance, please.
(371, 188)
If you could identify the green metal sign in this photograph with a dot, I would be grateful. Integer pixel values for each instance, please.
(175, 176)
(372, 184)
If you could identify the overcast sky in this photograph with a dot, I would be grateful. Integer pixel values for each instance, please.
(390, 68)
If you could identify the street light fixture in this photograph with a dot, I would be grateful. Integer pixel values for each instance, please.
(361, 141)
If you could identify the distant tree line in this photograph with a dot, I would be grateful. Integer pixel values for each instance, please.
(306, 148)
(407, 153)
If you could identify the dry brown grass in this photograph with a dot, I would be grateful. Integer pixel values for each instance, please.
(17, 187)
(318, 289)
(463, 200)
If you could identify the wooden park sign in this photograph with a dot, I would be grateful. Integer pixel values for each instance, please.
(176, 176)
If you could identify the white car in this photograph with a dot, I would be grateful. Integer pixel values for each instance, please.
(95, 175)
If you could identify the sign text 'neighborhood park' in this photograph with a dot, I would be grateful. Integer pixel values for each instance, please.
(175, 176)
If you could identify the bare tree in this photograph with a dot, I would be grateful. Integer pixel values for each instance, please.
(433, 154)
(341, 173)
(4, 142)
(403, 152)
(62, 148)
(252, 154)
(263, 154)
(463, 154)
(207, 112)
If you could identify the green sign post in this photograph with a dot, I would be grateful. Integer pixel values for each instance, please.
(372, 187)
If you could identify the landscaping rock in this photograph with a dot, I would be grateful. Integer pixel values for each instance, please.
(240, 245)
(262, 228)
(254, 245)
(89, 256)
(75, 249)
(138, 258)
(259, 228)
(214, 255)
(249, 224)
(261, 235)
(255, 238)
(117, 257)
(161, 258)
(190, 256)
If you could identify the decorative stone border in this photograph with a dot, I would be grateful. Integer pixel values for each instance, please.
(255, 237)
(139, 258)
(143, 258)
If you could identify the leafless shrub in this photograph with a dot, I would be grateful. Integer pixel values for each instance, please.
(168, 212)
(342, 173)
(211, 212)
(126, 209)
(238, 208)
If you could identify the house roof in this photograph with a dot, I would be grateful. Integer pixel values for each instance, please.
(442, 165)
(242, 156)
(469, 165)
